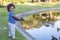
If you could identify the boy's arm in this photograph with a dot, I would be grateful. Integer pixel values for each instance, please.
(18, 18)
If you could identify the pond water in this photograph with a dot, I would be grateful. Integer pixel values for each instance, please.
(43, 26)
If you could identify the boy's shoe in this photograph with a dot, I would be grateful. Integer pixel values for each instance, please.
(10, 36)
(14, 39)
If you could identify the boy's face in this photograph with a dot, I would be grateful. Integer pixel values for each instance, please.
(12, 8)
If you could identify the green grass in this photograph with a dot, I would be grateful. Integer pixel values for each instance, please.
(4, 20)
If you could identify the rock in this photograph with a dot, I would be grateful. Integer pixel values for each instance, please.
(54, 38)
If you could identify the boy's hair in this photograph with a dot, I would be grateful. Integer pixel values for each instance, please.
(9, 5)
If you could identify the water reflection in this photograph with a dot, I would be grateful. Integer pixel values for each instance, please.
(45, 33)
(40, 19)
(43, 26)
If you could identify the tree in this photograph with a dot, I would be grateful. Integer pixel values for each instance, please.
(32, 1)
(1, 2)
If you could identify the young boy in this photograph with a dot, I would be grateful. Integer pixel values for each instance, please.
(11, 20)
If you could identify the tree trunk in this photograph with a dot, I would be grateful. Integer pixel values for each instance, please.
(37, 0)
(32, 1)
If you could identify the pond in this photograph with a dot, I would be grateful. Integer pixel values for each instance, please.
(43, 26)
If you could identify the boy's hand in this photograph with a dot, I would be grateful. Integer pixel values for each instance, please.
(22, 19)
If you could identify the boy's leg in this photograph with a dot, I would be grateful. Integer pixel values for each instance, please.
(9, 30)
(13, 30)
(9, 34)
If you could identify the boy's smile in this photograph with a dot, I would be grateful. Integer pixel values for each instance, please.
(11, 8)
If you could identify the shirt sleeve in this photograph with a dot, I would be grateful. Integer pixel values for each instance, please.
(12, 14)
